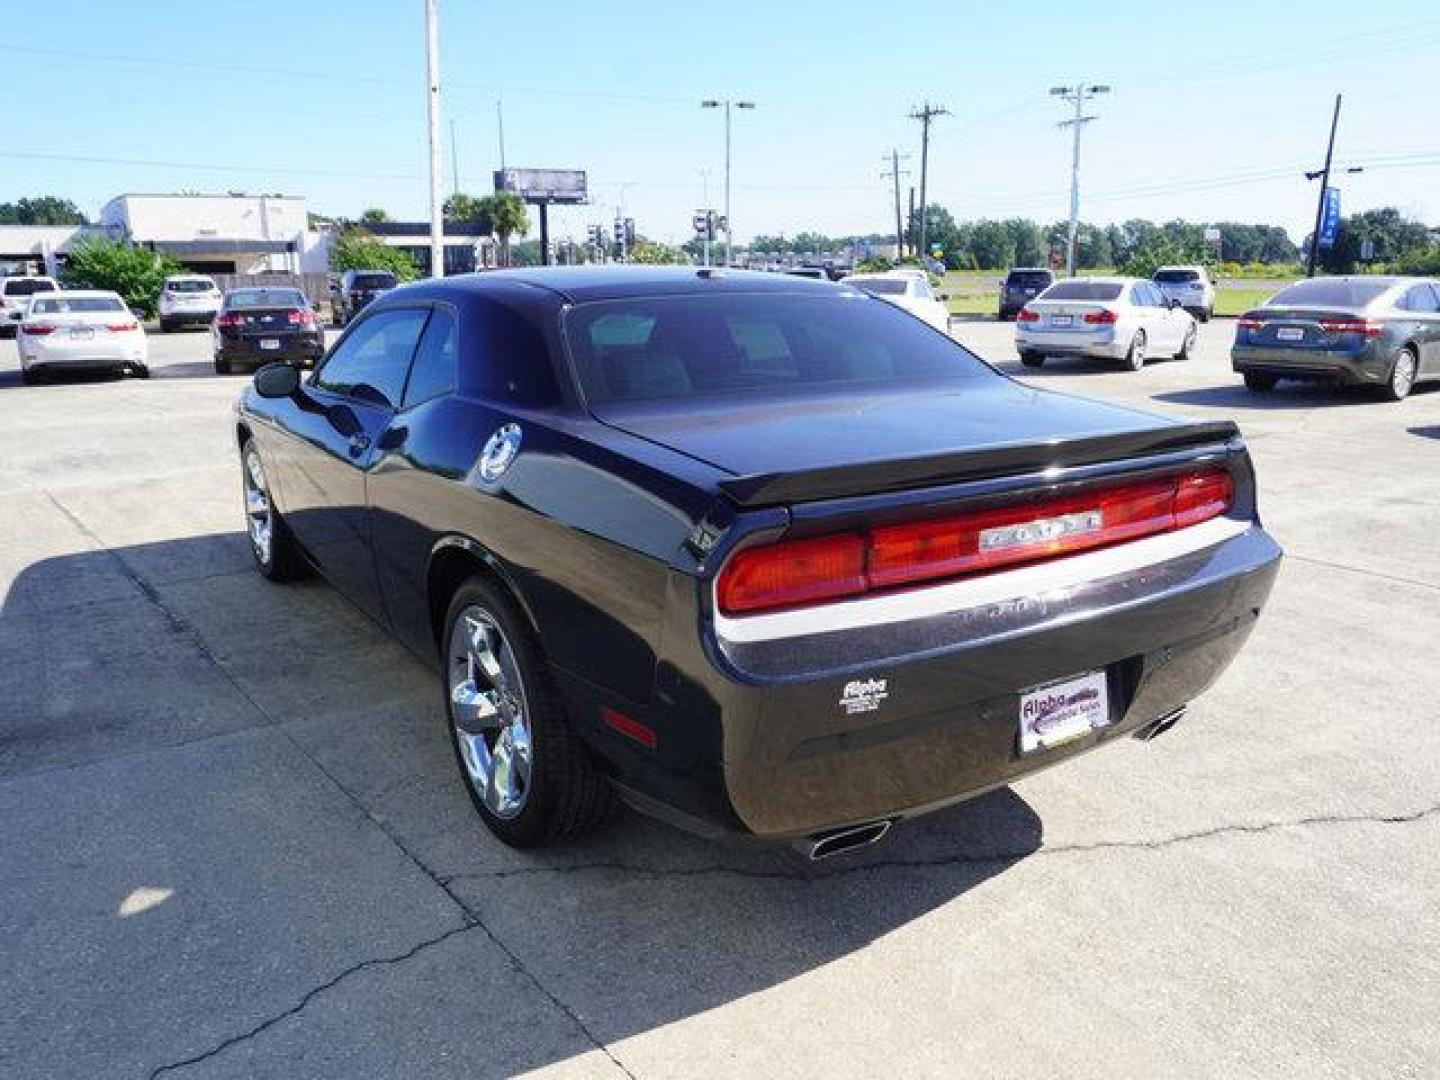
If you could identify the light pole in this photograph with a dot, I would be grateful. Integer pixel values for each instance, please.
(1079, 94)
(432, 81)
(1323, 175)
(714, 104)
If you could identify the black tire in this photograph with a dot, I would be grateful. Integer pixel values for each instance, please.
(1260, 382)
(565, 794)
(140, 371)
(1187, 347)
(222, 366)
(284, 561)
(1032, 359)
(166, 326)
(1135, 358)
(1207, 314)
(1403, 370)
(29, 376)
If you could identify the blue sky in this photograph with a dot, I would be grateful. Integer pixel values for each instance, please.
(1208, 121)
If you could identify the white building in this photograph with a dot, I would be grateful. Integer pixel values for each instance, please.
(233, 233)
(38, 249)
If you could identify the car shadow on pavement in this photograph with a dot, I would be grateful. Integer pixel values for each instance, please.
(632, 928)
(1285, 396)
(1432, 432)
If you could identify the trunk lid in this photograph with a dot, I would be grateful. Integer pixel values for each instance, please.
(837, 445)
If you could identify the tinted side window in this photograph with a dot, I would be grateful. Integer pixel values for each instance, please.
(370, 365)
(433, 372)
(1421, 298)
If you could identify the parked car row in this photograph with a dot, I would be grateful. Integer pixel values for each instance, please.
(1190, 285)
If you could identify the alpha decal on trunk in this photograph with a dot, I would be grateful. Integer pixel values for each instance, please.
(863, 695)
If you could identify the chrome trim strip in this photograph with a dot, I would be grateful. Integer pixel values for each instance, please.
(951, 596)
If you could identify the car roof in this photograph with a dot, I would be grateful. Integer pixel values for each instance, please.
(1030, 270)
(65, 294)
(1113, 279)
(189, 277)
(883, 275)
(579, 284)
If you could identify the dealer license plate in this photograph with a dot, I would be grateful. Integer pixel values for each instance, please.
(82, 333)
(1290, 333)
(1055, 714)
(269, 343)
(1060, 320)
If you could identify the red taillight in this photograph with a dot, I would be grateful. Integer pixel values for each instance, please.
(1100, 318)
(36, 329)
(794, 572)
(122, 327)
(798, 572)
(1026, 315)
(228, 318)
(1363, 327)
(301, 318)
(1251, 320)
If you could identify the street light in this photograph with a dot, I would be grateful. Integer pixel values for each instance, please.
(715, 104)
(1078, 95)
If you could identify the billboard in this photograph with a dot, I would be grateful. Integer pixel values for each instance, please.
(543, 185)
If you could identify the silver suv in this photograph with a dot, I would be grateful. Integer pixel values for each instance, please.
(1191, 285)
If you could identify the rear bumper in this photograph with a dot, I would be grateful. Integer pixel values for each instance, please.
(1101, 346)
(1355, 369)
(110, 356)
(799, 759)
(191, 317)
(301, 348)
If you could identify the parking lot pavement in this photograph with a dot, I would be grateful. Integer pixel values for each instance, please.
(232, 841)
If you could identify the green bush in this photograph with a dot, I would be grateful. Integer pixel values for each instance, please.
(136, 274)
(876, 264)
(1425, 263)
(356, 249)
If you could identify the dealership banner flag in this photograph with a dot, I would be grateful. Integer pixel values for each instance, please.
(1330, 218)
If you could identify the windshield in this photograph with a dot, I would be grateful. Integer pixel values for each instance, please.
(1083, 290)
(374, 281)
(28, 286)
(700, 347)
(1029, 279)
(1176, 277)
(265, 298)
(190, 285)
(1330, 292)
(881, 286)
(74, 305)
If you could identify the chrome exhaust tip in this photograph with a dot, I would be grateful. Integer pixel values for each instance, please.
(823, 845)
(1156, 728)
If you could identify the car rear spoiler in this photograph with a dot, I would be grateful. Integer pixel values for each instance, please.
(904, 474)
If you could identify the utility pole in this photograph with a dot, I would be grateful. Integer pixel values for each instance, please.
(1079, 94)
(895, 174)
(500, 123)
(454, 158)
(714, 104)
(910, 230)
(432, 70)
(1324, 178)
(925, 114)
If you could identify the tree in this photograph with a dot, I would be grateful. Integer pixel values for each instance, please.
(654, 253)
(41, 210)
(373, 216)
(1392, 235)
(505, 215)
(356, 249)
(136, 274)
(461, 207)
(1157, 252)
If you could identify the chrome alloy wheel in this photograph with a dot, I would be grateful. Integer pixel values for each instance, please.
(489, 713)
(1402, 378)
(259, 517)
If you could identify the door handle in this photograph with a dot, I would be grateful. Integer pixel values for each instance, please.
(359, 443)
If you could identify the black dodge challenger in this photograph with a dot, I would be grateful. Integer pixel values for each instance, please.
(767, 556)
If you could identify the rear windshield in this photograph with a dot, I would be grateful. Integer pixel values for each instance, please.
(1176, 277)
(1027, 279)
(881, 286)
(374, 281)
(190, 286)
(700, 347)
(265, 298)
(1330, 292)
(28, 287)
(1083, 290)
(75, 305)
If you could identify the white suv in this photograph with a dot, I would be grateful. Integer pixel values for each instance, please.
(15, 293)
(188, 298)
(1191, 285)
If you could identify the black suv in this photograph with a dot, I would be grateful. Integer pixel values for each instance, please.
(1020, 286)
(355, 289)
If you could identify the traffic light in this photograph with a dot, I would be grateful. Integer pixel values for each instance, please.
(629, 232)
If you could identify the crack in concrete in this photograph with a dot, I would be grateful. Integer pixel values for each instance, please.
(805, 874)
(309, 996)
(1362, 571)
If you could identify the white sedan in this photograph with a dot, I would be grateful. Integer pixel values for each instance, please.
(909, 291)
(80, 330)
(1111, 318)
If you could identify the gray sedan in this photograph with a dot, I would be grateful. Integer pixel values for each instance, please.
(1357, 331)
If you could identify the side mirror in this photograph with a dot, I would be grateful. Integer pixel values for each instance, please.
(278, 380)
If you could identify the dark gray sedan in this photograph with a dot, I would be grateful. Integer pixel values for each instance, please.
(1357, 331)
